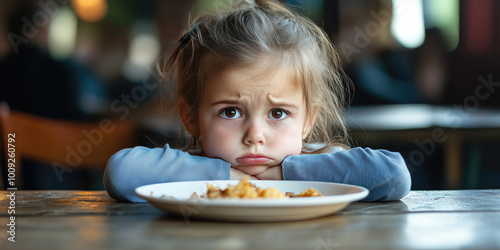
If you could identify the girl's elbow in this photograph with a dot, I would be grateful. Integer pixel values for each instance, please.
(392, 190)
(395, 183)
(400, 180)
(401, 186)
(113, 175)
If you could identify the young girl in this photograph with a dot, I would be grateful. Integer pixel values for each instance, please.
(261, 92)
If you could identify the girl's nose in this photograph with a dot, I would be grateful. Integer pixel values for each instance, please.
(254, 134)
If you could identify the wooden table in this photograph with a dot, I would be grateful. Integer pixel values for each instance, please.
(91, 220)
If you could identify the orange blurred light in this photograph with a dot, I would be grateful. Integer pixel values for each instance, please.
(90, 10)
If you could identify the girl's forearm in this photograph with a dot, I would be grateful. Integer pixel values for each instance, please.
(133, 167)
(382, 172)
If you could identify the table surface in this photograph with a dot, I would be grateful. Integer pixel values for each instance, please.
(91, 220)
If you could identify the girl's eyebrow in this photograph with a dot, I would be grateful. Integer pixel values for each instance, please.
(283, 104)
(225, 102)
(273, 102)
(276, 102)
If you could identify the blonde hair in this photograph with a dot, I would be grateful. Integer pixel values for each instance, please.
(265, 31)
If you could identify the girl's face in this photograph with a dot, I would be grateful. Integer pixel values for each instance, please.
(250, 121)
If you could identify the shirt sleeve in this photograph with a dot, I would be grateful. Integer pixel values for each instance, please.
(382, 172)
(134, 167)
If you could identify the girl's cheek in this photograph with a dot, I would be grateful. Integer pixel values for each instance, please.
(214, 148)
(218, 140)
(286, 127)
(279, 123)
(225, 124)
(290, 138)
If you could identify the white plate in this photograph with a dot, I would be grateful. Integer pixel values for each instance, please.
(173, 198)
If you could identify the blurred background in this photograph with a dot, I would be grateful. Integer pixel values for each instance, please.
(425, 76)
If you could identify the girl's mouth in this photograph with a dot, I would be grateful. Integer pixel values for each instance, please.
(252, 159)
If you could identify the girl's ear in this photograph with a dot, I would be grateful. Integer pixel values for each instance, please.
(310, 119)
(187, 116)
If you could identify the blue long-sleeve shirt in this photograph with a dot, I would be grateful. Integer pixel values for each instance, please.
(382, 172)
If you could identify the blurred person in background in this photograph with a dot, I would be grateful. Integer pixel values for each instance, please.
(432, 68)
(382, 70)
(31, 81)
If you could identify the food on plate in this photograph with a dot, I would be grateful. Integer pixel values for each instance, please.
(305, 193)
(245, 189)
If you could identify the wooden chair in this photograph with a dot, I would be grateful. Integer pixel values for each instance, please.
(64, 145)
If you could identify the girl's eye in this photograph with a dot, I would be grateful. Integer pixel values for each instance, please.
(278, 114)
(230, 113)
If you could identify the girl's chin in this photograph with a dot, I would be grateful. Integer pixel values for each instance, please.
(252, 169)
